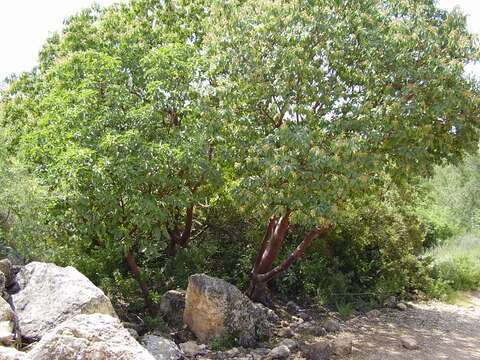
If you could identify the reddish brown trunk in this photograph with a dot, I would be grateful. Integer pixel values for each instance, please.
(181, 239)
(262, 271)
(132, 264)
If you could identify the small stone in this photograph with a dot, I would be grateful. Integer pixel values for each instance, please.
(304, 316)
(317, 350)
(161, 348)
(293, 308)
(331, 325)
(190, 348)
(401, 306)
(409, 343)
(373, 314)
(261, 351)
(342, 345)
(311, 328)
(285, 332)
(233, 352)
(279, 352)
(390, 302)
(289, 343)
(322, 310)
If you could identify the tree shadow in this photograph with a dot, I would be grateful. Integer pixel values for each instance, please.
(442, 332)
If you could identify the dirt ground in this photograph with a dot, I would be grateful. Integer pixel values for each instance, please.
(442, 331)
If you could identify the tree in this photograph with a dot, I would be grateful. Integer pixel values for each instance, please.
(327, 99)
(138, 113)
(114, 117)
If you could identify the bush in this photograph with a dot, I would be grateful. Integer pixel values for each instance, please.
(24, 222)
(456, 265)
(372, 254)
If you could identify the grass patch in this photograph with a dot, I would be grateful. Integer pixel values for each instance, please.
(456, 265)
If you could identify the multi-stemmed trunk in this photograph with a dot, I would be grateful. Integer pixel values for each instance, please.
(132, 264)
(176, 239)
(263, 270)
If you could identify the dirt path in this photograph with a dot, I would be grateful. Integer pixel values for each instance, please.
(442, 331)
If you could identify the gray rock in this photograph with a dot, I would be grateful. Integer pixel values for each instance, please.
(304, 316)
(51, 294)
(233, 353)
(87, 337)
(285, 332)
(172, 305)
(342, 345)
(409, 343)
(271, 315)
(293, 308)
(289, 343)
(401, 306)
(215, 308)
(190, 348)
(3, 282)
(311, 328)
(6, 323)
(391, 302)
(6, 269)
(279, 352)
(331, 325)
(9, 353)
(373, 314)
(261, 351)
(161, 348)
(317, 350)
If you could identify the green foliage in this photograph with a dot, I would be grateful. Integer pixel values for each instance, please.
(24, 204)
(372, 254)
(325, 98)
(225, 342)
(240, 111)
(113, 123)
(452, 201)
(345, 309)
(456, 265)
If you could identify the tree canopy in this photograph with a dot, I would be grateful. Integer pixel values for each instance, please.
(143, 114)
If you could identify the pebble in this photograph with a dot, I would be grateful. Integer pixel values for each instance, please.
(342, 345)
(331, 325)
(279, 352)
(409, 343)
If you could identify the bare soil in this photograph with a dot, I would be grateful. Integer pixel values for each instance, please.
(442, 331)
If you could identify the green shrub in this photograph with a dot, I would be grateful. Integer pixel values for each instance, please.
(461, 273)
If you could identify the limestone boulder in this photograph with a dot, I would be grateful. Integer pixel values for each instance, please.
(214, 309)
(9, 353)
(172, 305)
(6, 323)
(89, 337)
(50, 295)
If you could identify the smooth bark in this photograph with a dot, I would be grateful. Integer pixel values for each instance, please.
(263, 270)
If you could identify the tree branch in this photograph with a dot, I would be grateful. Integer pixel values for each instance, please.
(296, 254)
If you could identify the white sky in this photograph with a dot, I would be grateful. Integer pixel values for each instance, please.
(25, 25)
